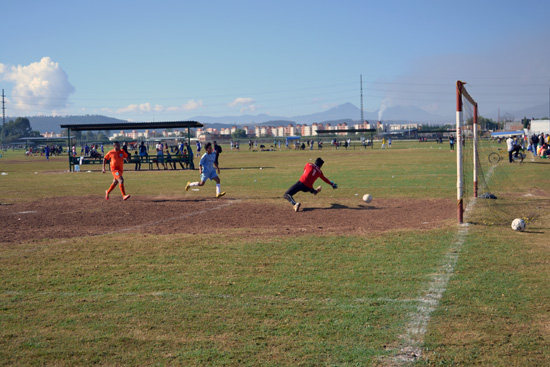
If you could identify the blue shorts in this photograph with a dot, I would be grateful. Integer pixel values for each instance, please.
(208, 175)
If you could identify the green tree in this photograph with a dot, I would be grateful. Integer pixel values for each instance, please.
(239, 134)
(90, 136)
(526, 122)
(15, 130)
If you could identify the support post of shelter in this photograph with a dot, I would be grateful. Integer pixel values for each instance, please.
(69, 150)
(190, 158)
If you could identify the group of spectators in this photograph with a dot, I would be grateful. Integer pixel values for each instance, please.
(44, 151)
(539, 145)
(93, 151)
(166, 156)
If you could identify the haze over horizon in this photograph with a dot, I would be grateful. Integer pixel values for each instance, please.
(171, 60)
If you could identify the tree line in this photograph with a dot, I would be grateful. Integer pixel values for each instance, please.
(16, 129)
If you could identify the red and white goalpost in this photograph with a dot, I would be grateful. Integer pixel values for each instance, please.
(461, 92)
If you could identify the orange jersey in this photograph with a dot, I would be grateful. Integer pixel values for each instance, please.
(117, 159)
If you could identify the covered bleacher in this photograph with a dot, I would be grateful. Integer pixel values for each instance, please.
(126, 126)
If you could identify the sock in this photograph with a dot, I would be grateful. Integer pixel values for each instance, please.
(218, 189)
(113, 185)
(290, 198)
(193, 184)
(122, 190)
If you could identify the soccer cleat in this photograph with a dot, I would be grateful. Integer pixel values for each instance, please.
(220, 194)
(107, 195)
(297, 207)
(126, 197)
(318, 190)
(187, 186)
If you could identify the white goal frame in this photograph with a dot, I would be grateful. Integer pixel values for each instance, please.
(461, 92)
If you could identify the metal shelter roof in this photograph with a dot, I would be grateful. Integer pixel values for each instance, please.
(44, 139)
(346, 131)
(133, 125)
(507, 133)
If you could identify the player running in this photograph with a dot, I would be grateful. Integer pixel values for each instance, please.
(207, 170)
(117, 157)
(311, 173)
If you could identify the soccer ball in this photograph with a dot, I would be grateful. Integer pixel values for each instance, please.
(518, 224)
(367, 198)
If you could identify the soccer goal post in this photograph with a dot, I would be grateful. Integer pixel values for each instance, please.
(461, 95)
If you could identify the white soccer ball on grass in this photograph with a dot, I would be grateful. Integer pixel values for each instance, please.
(367, 198)
(518, 224)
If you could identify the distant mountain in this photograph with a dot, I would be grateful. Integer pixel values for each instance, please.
(346, 112)
(46, 124)
(540, 111)
(343, 111)
(237, 120)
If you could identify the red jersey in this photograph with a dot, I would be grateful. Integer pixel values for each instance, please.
(117, 159)
(312, 173)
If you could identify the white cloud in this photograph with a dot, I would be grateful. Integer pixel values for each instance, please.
(187, 106)
(38, 87)
(147, 107)
(143, 107)
(241, 101)
(248, 104)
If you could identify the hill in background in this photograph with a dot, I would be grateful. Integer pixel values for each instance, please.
(346, 112)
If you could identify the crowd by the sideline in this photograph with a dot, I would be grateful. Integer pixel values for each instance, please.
(44, 151)
(539, 145)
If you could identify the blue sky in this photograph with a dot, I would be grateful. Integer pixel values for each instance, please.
(172, 60)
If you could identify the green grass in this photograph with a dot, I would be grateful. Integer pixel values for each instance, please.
(311, 300)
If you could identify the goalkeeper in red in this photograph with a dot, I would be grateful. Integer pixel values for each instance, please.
(312, 172)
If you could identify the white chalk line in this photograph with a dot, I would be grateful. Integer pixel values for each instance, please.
(412, 341)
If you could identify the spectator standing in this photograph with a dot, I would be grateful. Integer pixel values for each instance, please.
(160, 158)
(137, 161)
(199, 148)
(218, 151)
(512, 147)
(142, 151)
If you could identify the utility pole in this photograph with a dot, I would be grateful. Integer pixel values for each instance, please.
(3, 119)
(361, 81)
(3, 110)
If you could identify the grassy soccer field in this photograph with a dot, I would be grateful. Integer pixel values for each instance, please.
(181, 278)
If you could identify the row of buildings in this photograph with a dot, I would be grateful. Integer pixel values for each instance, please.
(304, 130)
(261, 131)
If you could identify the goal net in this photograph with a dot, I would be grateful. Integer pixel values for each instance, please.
(492, 185)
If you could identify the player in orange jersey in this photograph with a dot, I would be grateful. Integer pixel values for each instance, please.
(311, 173)
(117, 157)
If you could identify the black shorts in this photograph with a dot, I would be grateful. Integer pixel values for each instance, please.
(299, 186)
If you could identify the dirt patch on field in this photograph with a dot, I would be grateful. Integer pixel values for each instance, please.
(69, 217)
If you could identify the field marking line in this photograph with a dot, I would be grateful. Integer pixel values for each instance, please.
(412, 341)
